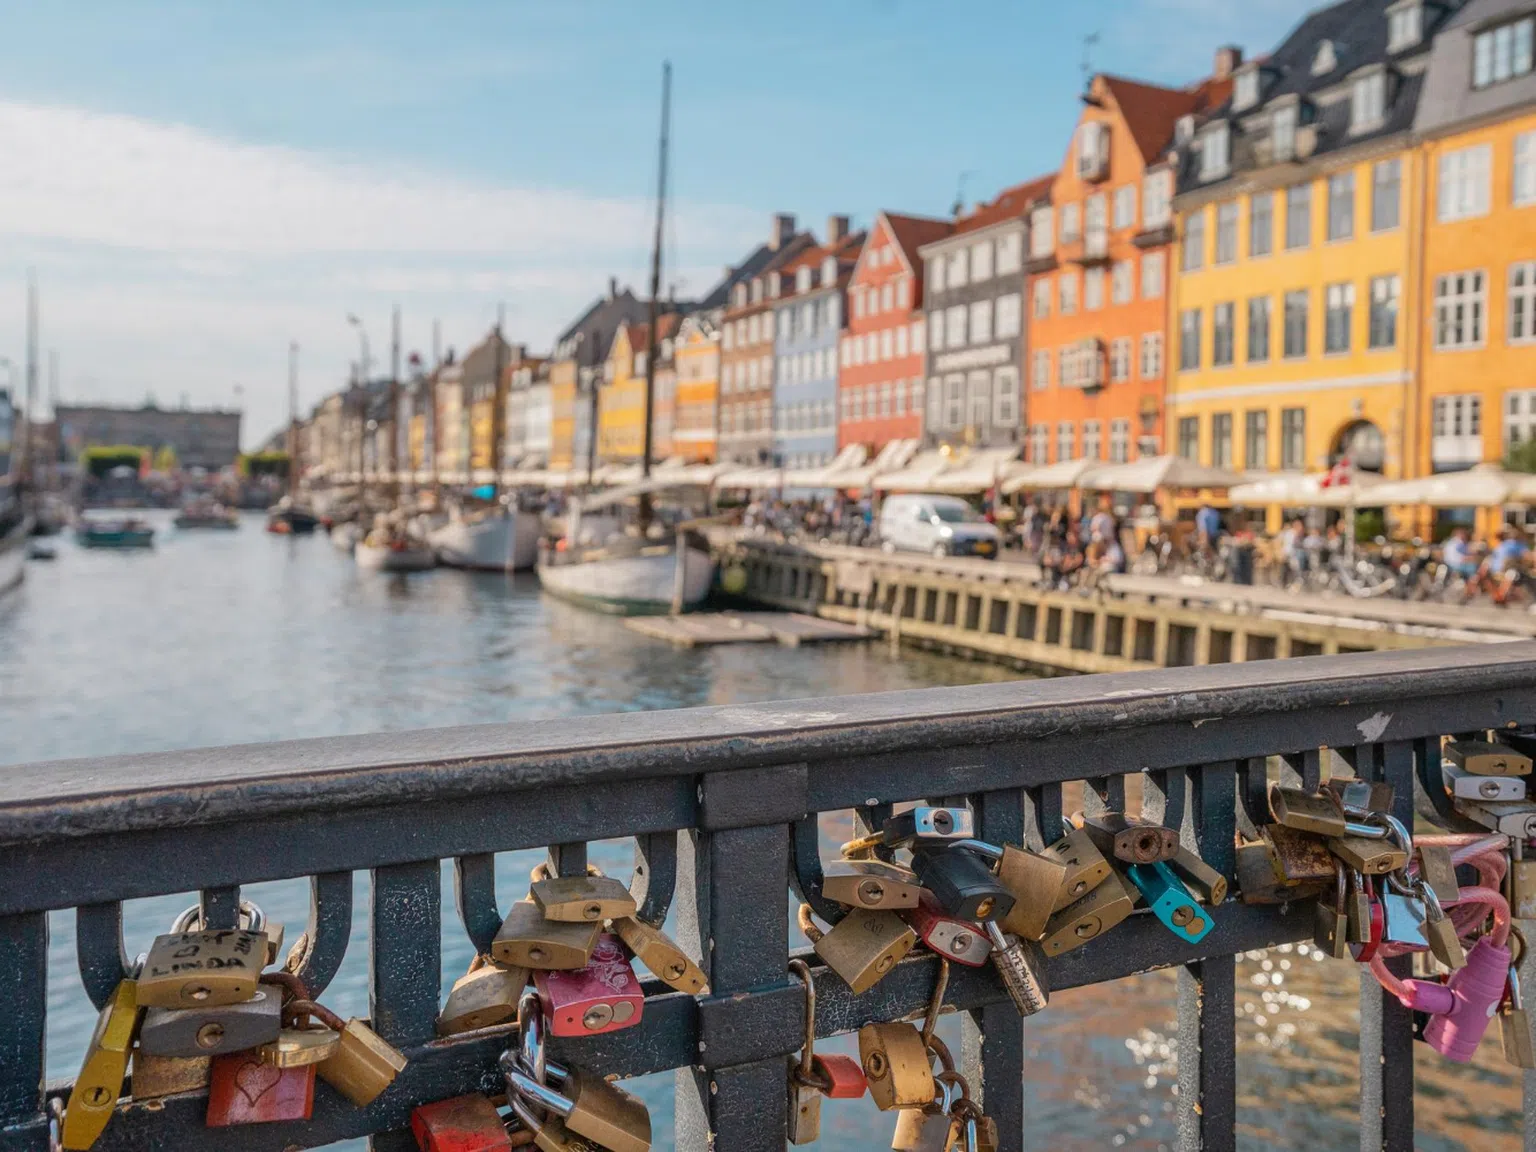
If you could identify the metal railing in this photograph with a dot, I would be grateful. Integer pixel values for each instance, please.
(722, 804)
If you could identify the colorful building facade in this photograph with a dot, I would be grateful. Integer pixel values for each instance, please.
(696, 356)
(621, 397)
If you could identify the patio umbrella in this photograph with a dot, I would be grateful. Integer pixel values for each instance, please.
(1485, 486)
(1062, 474)
(1152, 473)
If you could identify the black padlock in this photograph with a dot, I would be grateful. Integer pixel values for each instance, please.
(962, 884)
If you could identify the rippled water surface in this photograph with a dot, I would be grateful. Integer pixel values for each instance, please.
(219, 639)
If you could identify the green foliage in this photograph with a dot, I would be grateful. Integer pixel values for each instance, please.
(1369, 524)
(102, 458)
(1522, 457)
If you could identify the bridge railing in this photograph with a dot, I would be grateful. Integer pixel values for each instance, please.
(722, 805)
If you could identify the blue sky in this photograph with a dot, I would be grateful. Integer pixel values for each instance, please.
(199, 183)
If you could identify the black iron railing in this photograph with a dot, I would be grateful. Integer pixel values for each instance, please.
(722, 806)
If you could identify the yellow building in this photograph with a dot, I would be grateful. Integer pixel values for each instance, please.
(697, 357)
(621, 400)
(562, 411)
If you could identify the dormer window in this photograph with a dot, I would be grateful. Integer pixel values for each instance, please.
(757, 291)
(1405, 25)
(1283, 132)
(829, 271)
(739, 295)
(803, 278)
(1368, 101)
(1215, 151)
(1326, 59)
(1502, 53)
(1245, 91)
(775, 285)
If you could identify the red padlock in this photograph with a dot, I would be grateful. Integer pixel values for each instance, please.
(962, 941)
(602, 997)
(463, 1124)
(842, 1075)
(243, 1090)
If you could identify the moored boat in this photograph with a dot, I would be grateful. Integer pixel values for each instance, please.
(629, 576)
(207, 514)
(393, 556)
(129, 532)
(291, 521)
(498, 540)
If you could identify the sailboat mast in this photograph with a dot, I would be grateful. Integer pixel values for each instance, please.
(650, 332)
(293, 420)
(30, 417)
(498, 403)
(394, 395)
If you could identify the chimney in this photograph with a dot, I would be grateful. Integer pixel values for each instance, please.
(783, 230)
(1228, 58)
(837, 229)
(613, 287)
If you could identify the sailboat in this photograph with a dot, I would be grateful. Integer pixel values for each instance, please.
(602, 562)
(288, 517)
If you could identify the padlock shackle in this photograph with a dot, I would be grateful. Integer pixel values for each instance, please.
(298, 1008)
(292, 985)
(980, 847)
(803, 972)
(537, 1094)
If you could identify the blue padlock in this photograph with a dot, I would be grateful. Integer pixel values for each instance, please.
(1170, 901)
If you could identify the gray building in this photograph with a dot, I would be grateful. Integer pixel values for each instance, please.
(1480, 67)
(201, 438)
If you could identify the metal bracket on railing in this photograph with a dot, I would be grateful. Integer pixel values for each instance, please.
(654, 881)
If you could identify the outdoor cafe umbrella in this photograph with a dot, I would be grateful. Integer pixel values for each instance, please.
(1152, 473)
(1062, 474)
(1485, 486)
(1298, 490)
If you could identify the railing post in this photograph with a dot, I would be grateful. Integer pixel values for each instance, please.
(406, 968)
(24, 985)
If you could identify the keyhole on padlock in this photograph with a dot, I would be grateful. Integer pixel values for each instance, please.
(592, 911)
(198, 992)
(209, 1035)
(871, 892)
(1079, 888)
(96, 1097)
(1182, 915)
(875, 1067)
(537, 954)
(597, 1017)
(984, 909)
(675, 971)
(943, 822)
(960, 943)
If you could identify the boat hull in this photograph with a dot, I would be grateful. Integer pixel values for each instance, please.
(116, 538)
(13, 556)
(631, 585)
(207, 523)
(507, 543)
(374, 558)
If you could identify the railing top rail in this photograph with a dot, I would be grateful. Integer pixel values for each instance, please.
(59, 800)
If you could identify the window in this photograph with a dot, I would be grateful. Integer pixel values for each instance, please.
(857, 397)
(981, 262)
(1295, 324)
(1039, 443)
(885, 401)
(1384, 294)
(1193, 251)
(954, 326)
(1525, 170)
(917, 396)
(885, 344)
(1005, 398)
(1010, 253)
(1093, 289)
(1042, 292)
(1258, 329)
(1065, 440)
(1283, 132)
(1256, 441)
(1156, 199)
(981, 322)
(935, 331)
(954, 401)
(1386, 194)
(1463, 182)
(901, 340)
(1502, 53)
(1221, 439)
(1460, 304)
(1071, 222)
(1298, 216)
(887, 296)
(1223, 335)
(936, 274)
(1042, 372)
(1092, 150)
(1226, 232)
(1068, 302)
(1293, 439)
(955, 270)
(1261, 224)
(935, 403)
(1119, 441)
(1042, 230)
(1125, 206)
(1522, 302)
(1326, 59)
(1189, 437)
(1152, 275)
(1122, 282)
(1339, 307)
(1009, 316)
(1457, 416)
(1245, 93)
(1091, 438)
(1519, 417)
(1120, 360)
(1214, 151)
(917, 337)
(1151, 355)
(1404, 26)
(1368, 102)
(1341, 206)
(1189, 340)
(903, 292)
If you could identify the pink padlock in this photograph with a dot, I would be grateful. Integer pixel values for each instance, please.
(1461, 1008)
(602, 997)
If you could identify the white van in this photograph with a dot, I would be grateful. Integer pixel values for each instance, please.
(937, 525)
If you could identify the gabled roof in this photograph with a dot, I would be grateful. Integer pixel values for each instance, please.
(846, 250)
(912, 232)
(719, 296)
(1009, 204)
(1152, 112)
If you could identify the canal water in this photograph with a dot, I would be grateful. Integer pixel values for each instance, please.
(224, 638)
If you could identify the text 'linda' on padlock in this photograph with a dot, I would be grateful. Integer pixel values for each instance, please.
(1086, 867)
(202, 969)
(527, 939)
(897, 1065)
(870, 884)
(582, 899)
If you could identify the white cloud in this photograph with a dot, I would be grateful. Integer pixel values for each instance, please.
(176, 263)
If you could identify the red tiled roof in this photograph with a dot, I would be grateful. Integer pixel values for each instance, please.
(912, 232)
(638, 334)
(1010, 202)
(845, 249)
(1150, 112)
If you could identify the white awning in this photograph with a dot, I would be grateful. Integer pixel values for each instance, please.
(977, 472)
(829, 475)
(1152, 473)
(894, 455)
(1297, 490)
(1062, 474)
(1486, 486)
(917, 475)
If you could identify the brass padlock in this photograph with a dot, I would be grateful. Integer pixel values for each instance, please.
(1355, 797)
(213, 1031)
(863, 946)
(275, 933)
(1086, 867)
(483, 997)
(661, 954)
(590, 1107)
(1036, 881)
(1330, 932)
(1515, 1024)
(897, 1065)
(1089, 918)
(1256, 881)
(1205, 883)
(582, 899)
(1487, 758)
(1133, 840)
(1370, 857)
(1440, 932)
(870, 884)
(155, 1077)
(1306, 811)
(1438, 871)
(931, 1128)
(1522, 889)
(100, 1081)
(1298, 857)
(527, 939)
(301, 1042)
(202, 969)
(363, 1065)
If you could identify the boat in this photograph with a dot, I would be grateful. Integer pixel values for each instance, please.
(496, 539)
(129, 532)
(291, 521)
(287, 517)
(37, 550)
(207, 514)
(15, 527)
(344, 536)
(389, 547)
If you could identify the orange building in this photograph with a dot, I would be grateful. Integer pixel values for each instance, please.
(1099, 274)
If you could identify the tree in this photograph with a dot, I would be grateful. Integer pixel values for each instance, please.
(1521, 457)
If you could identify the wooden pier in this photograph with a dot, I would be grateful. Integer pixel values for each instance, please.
(703, 629)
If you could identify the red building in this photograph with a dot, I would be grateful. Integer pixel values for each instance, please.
(880, 377)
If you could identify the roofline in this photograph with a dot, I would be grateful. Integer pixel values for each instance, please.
(1248, 181)
(961, 237)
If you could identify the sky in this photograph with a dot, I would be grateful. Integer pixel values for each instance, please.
(197, 184)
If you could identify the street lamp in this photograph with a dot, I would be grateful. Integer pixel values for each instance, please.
(362, 336)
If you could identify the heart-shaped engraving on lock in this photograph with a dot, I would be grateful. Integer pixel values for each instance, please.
(255, 1080)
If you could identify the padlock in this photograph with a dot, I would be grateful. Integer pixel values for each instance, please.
(1032, 879)
(961, 883)
(213, 1031)
(931, 1128)
(963, 941)
(1208, 885)
(462, 1124)
(1021, 968)
(1170, 902)
(527, 940)
(661, 954)
(589, 1106)
(1466, 785)
(483, 997)
(870, 884)
(1086, 867)
(1358, 798)
(155, 1077)
(1487, 758)
(986, 1136)
(927, 824)
(897, 1065)
(1437, 870)
(1404, 916)
(1256, 883)
(1298, 857)
(1461, 1007)
(1440, 931)
(1330, 930)
(839, 1077)
(863, 946)
(1089, 918)
(549, 1131)
(363, 1064)
(1304, 811)
(100, 1081)
(1522, 889)
(804, 1095)
(302, 1040)
(1515, 818)
(1515, 1025)
(602, 997)
(243, 1090)
(581, 899)
(1369, 857)
(1134, 841)
(202, 969)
